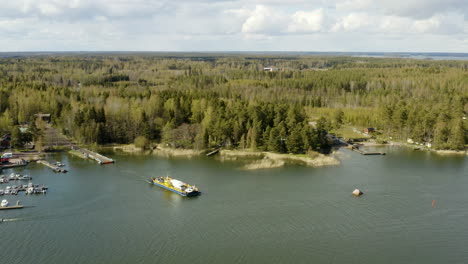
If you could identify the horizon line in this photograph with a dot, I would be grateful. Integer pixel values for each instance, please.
(435, 53)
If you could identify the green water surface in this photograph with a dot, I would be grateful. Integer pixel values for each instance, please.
(109, 214)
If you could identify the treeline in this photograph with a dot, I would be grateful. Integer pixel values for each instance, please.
(205, 101)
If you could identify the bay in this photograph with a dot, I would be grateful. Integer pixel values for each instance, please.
(295, 214)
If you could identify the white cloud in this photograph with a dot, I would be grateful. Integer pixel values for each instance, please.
(231, 24)
(353, 5)
(352, 22)
(307, 21)
(264, 20)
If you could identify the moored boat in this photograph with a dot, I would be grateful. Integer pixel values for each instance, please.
(176, 186)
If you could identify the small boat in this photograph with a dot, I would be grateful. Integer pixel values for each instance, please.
(59, 164)
(176, 186)
(19, 177)
(24, 178)
(4, 203)
(30, 190)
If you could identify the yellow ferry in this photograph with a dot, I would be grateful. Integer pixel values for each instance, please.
(176, 186)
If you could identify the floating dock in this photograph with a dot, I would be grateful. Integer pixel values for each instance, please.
(53, 167)
(101, 159)
(17, 206)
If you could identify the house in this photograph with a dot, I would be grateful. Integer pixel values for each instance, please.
(24, 127)
(270, 69)
(369, 130)
(44, 117)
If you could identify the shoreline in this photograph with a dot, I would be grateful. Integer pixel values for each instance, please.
(251, 160)
(420, 148)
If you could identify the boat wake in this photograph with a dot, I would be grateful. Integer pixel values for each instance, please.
(12, 220)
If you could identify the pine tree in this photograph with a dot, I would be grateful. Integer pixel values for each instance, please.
(457, 135)
(295, 143)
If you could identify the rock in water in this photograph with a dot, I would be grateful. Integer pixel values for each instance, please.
(357, 192)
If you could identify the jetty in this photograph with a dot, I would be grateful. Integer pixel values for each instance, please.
(52, 166)
(211, 153)
(356, 148)
(101, 159)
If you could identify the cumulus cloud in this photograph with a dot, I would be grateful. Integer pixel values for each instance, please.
(418, 9)
(352, 22)
(422, 9)
(264, 20)
(303, 21)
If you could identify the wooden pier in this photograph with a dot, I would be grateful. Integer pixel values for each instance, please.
(53, 167)
(95, 156)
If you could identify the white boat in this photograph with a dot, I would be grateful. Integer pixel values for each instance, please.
(30, 190)
(59, 164)
(4, 203)
(24, 178)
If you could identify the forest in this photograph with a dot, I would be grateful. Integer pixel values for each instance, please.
(210, 100)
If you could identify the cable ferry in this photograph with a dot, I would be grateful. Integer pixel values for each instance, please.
(176, 186)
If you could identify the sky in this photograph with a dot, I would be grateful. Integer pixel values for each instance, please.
(234, 25)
